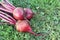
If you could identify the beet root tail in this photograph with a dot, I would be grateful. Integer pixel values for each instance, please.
(36, 34)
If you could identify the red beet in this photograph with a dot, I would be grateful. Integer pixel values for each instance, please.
(18, 13)
(28, 12)
(23, 26)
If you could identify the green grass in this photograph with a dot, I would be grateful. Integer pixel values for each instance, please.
(46, 20)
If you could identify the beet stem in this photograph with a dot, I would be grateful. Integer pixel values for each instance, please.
(8, 5)
(7, 2)
(6, 17)
(4, 9)
(10, 17)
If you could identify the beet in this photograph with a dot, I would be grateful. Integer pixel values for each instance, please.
(18, 13)
(28, 12)
(24, 26)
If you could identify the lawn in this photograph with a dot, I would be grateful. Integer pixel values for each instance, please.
(46, 21)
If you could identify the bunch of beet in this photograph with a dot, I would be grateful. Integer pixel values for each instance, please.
(17, 16)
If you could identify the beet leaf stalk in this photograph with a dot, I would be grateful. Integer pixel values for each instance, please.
(2, 8)
(7, 18)
(7, 2)
(8, 5)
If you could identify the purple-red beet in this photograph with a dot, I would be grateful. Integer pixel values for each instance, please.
(18, 13)
(24, 26)
(28, 12)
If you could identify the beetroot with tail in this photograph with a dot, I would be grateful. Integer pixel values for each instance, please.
(24, 26)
